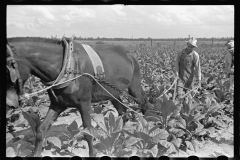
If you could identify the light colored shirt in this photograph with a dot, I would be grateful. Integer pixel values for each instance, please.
(196, 65)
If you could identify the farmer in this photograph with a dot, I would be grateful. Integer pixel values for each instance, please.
(187, 65)
(229, 62)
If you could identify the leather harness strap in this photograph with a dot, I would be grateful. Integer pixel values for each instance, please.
(69, 62)
(96, 61)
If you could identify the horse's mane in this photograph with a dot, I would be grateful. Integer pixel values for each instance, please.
(35, 39)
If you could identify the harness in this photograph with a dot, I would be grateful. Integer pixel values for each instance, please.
(71, 66)
(66, 75)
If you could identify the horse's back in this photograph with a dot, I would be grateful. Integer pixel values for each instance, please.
(117, 61)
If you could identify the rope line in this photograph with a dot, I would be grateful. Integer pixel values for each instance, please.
(26, 95)
(169, 87)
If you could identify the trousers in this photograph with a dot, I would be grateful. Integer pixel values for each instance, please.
(182, 88)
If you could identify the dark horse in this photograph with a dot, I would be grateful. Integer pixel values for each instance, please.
(44, 58)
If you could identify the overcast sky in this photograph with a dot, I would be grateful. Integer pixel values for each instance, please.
(137, 21)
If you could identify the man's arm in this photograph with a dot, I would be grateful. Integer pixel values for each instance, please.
(176, 66)
(228, 63)
(197, 67)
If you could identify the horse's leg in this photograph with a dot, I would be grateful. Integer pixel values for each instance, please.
(135, 90)
(52, 115)
(84, 109)
(120, 108)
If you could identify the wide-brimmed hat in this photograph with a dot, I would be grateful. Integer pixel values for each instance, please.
(193, 42)
(230, 45)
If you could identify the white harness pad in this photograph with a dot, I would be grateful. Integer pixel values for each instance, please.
(96, 61)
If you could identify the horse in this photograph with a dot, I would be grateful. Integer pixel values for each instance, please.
(44, 58)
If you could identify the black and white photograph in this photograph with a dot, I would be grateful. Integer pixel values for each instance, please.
(120, 80)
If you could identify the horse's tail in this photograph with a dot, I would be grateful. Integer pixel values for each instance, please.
(142, 99)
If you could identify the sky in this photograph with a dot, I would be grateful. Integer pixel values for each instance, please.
(122, 21)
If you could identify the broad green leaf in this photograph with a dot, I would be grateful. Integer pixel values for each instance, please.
(119, 125)
(182, 121)
(73, 126)
(23, 150)
(208, 102)
(55, 140)
(172, 123)
(9, 137)
(167, 147)
(219, 123)
(111, 122)
(213, 109)
(185, 108)
(130, 141)
(154, 130)
(195, 144)
(177, 132)
(109, 141)
(210, 79)
(97, 109)
(219, 84)
(130, 126)
(96, 133)
(227, 85)
(198, 117)
(167, 107)
(219, 94)
(31, 122)
(99, 119)
(187, 118)
(202, 132)
(100, 147)
(176, 142)
(10, 152)
(154, 118)
(145, 137)
(154, 150)
(124, 153)
(17, 145)
(160, 135)
(199, 127)
(143, 124)
(34, 117)
(190, 145)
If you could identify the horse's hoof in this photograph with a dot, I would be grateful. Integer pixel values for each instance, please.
(93, 154)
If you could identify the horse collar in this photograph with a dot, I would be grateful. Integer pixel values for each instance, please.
(67, 72)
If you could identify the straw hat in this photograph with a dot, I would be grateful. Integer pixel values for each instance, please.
(192, 41)
(230, 45)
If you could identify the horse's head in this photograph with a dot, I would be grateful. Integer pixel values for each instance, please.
(14, 82)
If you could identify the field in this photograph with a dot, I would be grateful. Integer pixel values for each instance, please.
(201, 125)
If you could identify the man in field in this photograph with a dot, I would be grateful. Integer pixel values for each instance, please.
(229, 62)
(187, 65)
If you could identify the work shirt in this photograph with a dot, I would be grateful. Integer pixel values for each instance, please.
(229, 66)
(188, 65)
